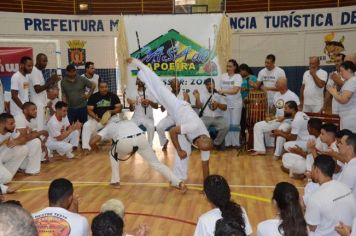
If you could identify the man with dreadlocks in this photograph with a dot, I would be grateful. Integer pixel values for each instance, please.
(128, 139)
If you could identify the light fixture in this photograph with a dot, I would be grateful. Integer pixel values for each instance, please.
(83, 6)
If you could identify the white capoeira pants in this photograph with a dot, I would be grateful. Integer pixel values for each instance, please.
(10, 161)
(161, 128)
(66, 145)
(41, 118)
(149, 125)
(294, 162)
(124, 147)
(32, 162)
(312, 108)
(261, 128)
(233, 118)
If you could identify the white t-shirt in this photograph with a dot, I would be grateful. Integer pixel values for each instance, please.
(5, 136)
(2, 98)
(139, 109)
(21, 84)
(300, 126)
(227, 82)
(334, 103)
(279, 101)
(59, 221)
(56, 127)
(313, 95)
(349, 85)
(269, 79)
(204, 96)
(207, 221)
(36, 78)
(94, 80)
(331, 203)
(22, 123)
(119, 130)
(269, 228)
(348, 175)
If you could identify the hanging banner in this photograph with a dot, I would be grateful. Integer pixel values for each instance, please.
(9, 62)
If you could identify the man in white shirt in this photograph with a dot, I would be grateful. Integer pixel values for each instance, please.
(294, 160)
(332, 203)
(63, 137)
(212, 107)
(189, 129)
(268, 77)
(312, 90)
(61, 217)
(26, 126)
(168, 121)
(142, 107)
(52, 99)
(20, 85)
(91, 76)
(128, 139)
(38, 88)
(348, 151)
(336, 80)
(12, 151)
(299, 128)
(262, 130)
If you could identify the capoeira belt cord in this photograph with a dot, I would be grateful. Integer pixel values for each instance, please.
(206, 104)
(115, 155)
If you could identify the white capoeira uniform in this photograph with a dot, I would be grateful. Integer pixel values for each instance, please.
(165, 123)
(262, 130)
(10, 159)
(40, 99)
(347, 111)
(234, 107)
(140, 118)
(55, 128)
(331, 83)
(269, 79)
(313, 95)
(128, 135)
(296, 163)
(19, 83)
(181, 112)
(32, 162)
(94, 80)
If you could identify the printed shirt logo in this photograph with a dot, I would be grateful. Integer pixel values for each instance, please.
(104, 103)
(279, 103)
(52, 225)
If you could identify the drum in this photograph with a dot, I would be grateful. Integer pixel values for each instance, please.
(257, 105)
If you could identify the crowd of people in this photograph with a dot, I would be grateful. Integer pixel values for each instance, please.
(69, 116)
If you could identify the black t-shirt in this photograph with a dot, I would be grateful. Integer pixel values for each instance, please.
(102, 103)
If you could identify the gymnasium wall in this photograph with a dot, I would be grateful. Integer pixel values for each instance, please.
(291, 36)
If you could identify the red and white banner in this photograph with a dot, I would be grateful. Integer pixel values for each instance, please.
(9, 62)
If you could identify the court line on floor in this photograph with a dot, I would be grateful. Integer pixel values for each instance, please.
(145, 214)
(142, 183)
(165, 185)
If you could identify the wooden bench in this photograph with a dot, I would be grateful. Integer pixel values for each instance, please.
(326, 118)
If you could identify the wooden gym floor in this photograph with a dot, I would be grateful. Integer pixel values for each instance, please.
(146, 194)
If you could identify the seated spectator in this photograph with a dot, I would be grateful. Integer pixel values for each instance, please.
(16, 221)
(290, 218)
(212, 108)
(280, 120)
(12, 151)
(294, 161)
(107, 224)
(218, 193)
(62, 212)
(348, 151)
(63, 137)
(331, 203)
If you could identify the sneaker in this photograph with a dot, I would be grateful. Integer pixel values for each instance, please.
(69, 155)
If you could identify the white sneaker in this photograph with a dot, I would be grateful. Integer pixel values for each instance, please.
(69, 155)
